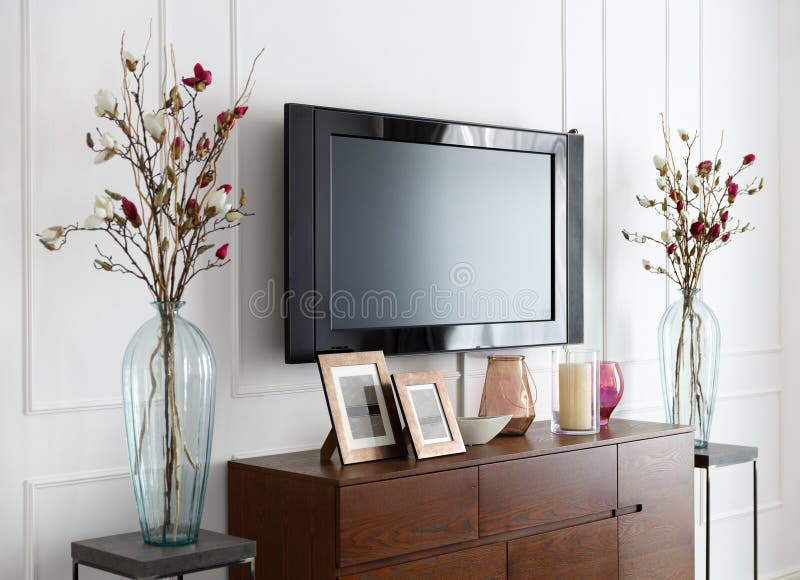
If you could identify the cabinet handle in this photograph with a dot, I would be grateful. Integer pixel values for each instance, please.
(630, 509)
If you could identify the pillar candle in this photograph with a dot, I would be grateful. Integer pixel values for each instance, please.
(575, 396)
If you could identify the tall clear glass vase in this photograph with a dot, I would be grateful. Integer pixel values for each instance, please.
(168, 388)
(689, 345)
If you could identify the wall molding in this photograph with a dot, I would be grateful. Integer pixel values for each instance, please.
(34, 485)
(276, 450)
(774, 390)
(30, 404)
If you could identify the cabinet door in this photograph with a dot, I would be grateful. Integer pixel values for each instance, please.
(588, 551)
(483, 563)
(658, 541)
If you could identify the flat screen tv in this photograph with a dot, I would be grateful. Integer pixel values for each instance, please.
(413, 235)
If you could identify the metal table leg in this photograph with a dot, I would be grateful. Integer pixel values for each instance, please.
(253, 569)
(74, 570)
(755, 520)
(708, 523)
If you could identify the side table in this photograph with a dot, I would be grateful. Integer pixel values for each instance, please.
(128, 556)
(721, 455)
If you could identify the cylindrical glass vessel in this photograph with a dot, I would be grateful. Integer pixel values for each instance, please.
(689, 346)
(168, 389)
(576, 407)
(506, 391)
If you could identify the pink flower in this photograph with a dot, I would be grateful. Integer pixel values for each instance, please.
(239, 112)
(724, 216)
(697, 229)
(203, 145)
(714, 231)
(205, 178)
(725, 237)
(733, 191)
(226, 187)
(748, 159)
(177, 147)
(131, 213)
(671, 249)
(200, 80)
(192, 207)
(680, 206)
(704, 168)
(222, 252)
(225, 121)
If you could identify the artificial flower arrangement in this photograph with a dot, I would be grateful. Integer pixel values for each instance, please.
(163, 228)
(161, 233)
(697, 202)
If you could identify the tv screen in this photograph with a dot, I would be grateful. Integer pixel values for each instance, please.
(413, 235)
(424, 235)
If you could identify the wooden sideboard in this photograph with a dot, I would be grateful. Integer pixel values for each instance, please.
(616, 504)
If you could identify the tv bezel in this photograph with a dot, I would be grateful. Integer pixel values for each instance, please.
(307, 134)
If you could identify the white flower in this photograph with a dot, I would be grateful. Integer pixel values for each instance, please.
(661, 183)
(109, 147)
(683, 134)
(93, 222)
(217, 202)
(130, 61)
(667, 237)
(692, 181)
(659, 162)
(234, 216)
(154, 124)
(105, 104)
(644, 202)
(103, 207)
(647, 265)
(51, 234)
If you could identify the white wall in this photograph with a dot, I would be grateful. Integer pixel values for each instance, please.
(607, 68)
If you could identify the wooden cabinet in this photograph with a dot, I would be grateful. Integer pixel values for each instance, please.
(539, 506)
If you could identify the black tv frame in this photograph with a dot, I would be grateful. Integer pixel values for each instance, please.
(307, 131)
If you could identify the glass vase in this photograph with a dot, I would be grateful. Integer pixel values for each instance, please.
(506, 391)
(688, 345)
(168, 390)
(612, 386)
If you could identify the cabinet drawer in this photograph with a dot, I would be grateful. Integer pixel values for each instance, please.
(484, 563)
(390, 518)
(541, 490)
(585, 551)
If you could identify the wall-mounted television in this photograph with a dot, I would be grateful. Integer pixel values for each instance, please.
(413, 235)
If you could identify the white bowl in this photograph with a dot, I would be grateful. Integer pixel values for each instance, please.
(480, 430)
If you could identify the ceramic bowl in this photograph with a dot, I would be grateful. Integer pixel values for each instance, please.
(480, 430)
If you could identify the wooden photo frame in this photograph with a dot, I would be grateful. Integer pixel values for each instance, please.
(361, 404)
(428, 414)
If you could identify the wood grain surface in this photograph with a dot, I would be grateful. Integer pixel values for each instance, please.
(588, 551)
(384, 519)
(658, 541)
(531, 492)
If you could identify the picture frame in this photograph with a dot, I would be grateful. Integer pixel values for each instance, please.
(361, 404)
(428, 414)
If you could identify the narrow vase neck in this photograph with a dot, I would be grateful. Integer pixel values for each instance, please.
(689, 292)
(167, 308)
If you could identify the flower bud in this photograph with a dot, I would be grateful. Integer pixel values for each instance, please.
(671, 249)
(748, 159)
(725, 237)
(105, 104)
(239, 112)
(130, 61)
(176, 149)
(683, 134)
(660, 163)
(724, 216)
(733, 191)
(131, 213)
(679, 206)
(222, 252)
(697, 229)
(714, 231)
(704, 168)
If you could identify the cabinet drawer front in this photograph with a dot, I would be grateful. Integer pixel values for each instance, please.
(541, 490)
(390, 518)
(585, 551)
(484, 563)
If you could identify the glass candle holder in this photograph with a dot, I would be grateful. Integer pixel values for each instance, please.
(576, 401)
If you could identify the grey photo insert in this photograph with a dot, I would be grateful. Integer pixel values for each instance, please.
(363, 409)
(429, 414)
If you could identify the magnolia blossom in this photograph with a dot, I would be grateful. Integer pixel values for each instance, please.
(667, 237)
(131, 213)
(102, 211)
(644, 202)
(671, 249)
(222, 252)
(683, 134)
(234, 216)
(748, 159)
(105, 104)
(200, 80)
(239, 112)
(733, 191)
(697, 229)
(154, 124)
(660, 162)
(218, 202)
(176, 149)
(704, 168)
(714, 231)
(693, 182)
(661, 183)
(131, 62)
(50, 235)
(725, 237)
(724, 216)
(108, 147)
(225, 121)
(647, 265)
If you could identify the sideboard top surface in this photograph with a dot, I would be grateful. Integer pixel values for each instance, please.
(537, 441)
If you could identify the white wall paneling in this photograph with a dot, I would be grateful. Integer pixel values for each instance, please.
(605, 67)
